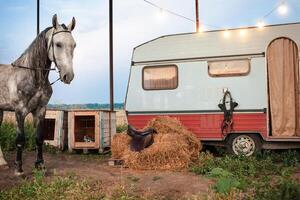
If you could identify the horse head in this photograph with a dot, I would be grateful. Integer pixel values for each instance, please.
(61, 45)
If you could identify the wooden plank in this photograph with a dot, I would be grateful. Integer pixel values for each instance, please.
(115, 162)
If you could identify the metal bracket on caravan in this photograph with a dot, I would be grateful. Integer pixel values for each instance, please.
(227, 106)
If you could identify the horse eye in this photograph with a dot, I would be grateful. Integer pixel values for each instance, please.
(59, 45)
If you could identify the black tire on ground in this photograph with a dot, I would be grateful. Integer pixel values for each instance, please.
(243, 144)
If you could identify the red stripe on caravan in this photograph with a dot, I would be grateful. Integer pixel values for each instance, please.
(209, 125)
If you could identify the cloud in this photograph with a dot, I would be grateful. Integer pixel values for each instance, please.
(133, 25)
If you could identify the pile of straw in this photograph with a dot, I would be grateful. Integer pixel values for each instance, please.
(174, 147)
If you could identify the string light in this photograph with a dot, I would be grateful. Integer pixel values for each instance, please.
(283, 9)
(161, 15)
(176, 14)
(260, 24)
(226, 34)
(243, 32)
(201, 29)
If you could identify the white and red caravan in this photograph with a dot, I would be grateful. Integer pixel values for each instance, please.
(186, 75)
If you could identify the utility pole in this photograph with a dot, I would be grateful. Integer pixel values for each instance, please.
(37, 17)
(197, 16)
(111, 67)
(111, 60)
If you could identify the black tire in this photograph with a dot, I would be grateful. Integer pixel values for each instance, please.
(243, 144)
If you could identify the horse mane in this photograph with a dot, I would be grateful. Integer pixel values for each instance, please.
(36, 56)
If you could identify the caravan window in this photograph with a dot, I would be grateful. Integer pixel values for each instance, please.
(229, 67)
(160, 77)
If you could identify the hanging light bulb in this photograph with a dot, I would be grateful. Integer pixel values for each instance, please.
(283, 8)
(260, 24)
(161, 14)
(226, 34)
(201, 29)
(243, 32)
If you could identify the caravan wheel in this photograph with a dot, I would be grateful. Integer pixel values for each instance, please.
(243, 144)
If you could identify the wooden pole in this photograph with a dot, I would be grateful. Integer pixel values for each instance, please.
(197, 16)
(37, 17)
(111, 66)
(111, 60)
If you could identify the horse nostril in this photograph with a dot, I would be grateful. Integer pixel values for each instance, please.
(65, 78)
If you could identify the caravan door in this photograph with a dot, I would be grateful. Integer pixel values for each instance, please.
(283, 86)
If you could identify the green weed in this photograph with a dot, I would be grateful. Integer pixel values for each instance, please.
(266, 176)
(8, 136)
(122, 128)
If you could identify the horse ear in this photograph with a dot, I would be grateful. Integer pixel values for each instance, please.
(71, 26)
(55, 21)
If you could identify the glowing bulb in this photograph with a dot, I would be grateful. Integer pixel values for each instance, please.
(243, 32)
(260, 24)
(283, 9)
(226, 34)
(161, 14)
(201, 29)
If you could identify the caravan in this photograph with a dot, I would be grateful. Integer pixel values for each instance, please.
(238, 87)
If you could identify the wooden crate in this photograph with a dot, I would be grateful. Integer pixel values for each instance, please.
(55, 128)
(91, 129)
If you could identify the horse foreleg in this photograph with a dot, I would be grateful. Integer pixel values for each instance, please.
(39, 118)
(20, 142)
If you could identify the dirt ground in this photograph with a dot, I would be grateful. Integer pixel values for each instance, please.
(92, 167)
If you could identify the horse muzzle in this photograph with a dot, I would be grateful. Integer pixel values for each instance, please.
(67, 77)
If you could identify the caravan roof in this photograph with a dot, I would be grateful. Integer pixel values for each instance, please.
(212, 44)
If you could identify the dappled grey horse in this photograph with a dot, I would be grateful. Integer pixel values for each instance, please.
(25, 87)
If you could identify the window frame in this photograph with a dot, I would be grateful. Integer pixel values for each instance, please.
(232, 74)
(161, 66)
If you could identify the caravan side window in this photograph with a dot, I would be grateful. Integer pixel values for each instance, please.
(229, 68)
(160, 77)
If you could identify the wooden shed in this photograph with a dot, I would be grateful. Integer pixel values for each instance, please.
(91, 129)
(56, 128)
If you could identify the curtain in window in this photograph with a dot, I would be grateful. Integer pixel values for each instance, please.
(283, 78)
(156, 78)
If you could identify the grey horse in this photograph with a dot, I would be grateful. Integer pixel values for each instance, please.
(25, 87)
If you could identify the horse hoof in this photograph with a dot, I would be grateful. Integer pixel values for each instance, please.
(19, 174)
(40, 166)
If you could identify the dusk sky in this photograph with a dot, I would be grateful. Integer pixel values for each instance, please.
(135, 22)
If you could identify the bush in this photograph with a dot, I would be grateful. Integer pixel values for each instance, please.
(283, 189)
(8, 136)
(266, 176)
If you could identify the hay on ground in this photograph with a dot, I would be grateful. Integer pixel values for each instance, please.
(174, 147)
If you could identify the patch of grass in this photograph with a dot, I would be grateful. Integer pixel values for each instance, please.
(51, 149)
(133, 178)
(226, 184)
(122, 128)
(94, 156)
(265, 176)
(8, 136)
(60, 188)
(122, 192)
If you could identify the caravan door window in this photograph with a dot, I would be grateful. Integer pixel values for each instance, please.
(160, 77)
(229, 68)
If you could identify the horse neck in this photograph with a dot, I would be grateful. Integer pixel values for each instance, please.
(36, 57)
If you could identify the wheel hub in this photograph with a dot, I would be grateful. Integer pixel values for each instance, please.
(244, 145)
